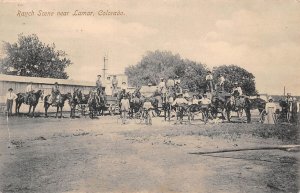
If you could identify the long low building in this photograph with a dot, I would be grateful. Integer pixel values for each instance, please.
(19, 84)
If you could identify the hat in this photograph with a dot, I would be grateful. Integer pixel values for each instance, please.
(99, 75)
(270, 98)
(149, 84)
(209, 71)
(236, 83)
(161, 78)
(123, 82)
(10, 89)
(56, 83)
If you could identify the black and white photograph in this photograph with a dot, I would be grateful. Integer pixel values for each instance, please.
(149, 96)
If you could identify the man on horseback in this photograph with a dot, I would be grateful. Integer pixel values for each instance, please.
(236, 94)
(237, 90)
(28, 93)
(205, 104)
(186, 94)
(55, 93)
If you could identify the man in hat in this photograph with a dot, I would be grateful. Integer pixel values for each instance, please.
(114, 83)
(209, 83)
(162, 85)
(99, 84)
(294, 111)
(186, 94)
(55, 93)
(124, 86)
(178, 89)
(205, 104)
(237, 90)
(28, 93)
(221, 81)
(180, 100)
(177, 80)
(10, 97)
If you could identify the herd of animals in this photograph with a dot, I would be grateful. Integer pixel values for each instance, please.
(221, 104)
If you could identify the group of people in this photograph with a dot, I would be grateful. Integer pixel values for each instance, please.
(291, 105)
(11, 96)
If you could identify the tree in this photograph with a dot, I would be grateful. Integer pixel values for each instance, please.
(232, 74)
(164, 64)
(30, 57)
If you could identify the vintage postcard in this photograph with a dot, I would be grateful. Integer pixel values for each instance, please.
(149, 96)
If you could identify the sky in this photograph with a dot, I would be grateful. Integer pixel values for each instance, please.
(262, 36)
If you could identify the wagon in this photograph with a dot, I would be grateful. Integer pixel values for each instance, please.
(112, 105)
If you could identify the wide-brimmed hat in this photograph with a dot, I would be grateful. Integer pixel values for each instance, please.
(149, 84)
(56, 83)
(270, 98)
(99, 75)
(10, 89)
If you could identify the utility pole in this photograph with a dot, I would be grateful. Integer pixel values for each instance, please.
(104, 67)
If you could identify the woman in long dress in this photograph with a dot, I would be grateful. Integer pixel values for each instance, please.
(270, 112)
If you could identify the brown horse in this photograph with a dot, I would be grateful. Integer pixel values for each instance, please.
(32, 101)
(59, 104)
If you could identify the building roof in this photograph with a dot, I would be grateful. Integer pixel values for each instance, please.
(39, 80)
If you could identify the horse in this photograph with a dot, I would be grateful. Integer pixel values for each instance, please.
(73, 102)
(136, 104)
(59, 104)
(94, 104)
(33, 100)
(285, 114)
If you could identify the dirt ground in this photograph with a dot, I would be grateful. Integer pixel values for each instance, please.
(51, 155)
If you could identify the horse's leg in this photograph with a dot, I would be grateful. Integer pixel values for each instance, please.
(57, 108)
(46, 109)
(29, 110)
(33, 109)
(61, 111)
(16, 108)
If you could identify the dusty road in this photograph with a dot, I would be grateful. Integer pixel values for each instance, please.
(101, 155)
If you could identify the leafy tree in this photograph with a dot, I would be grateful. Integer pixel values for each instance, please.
(232, 74)
(30, 57)
(164, 64)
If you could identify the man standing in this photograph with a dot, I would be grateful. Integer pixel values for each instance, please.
(178, 89)
(294, 111)
(10, 97)
(99, 84)
(124, 86)
(114, 83)
(209, 83)
(221, 82)
(162, 85)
